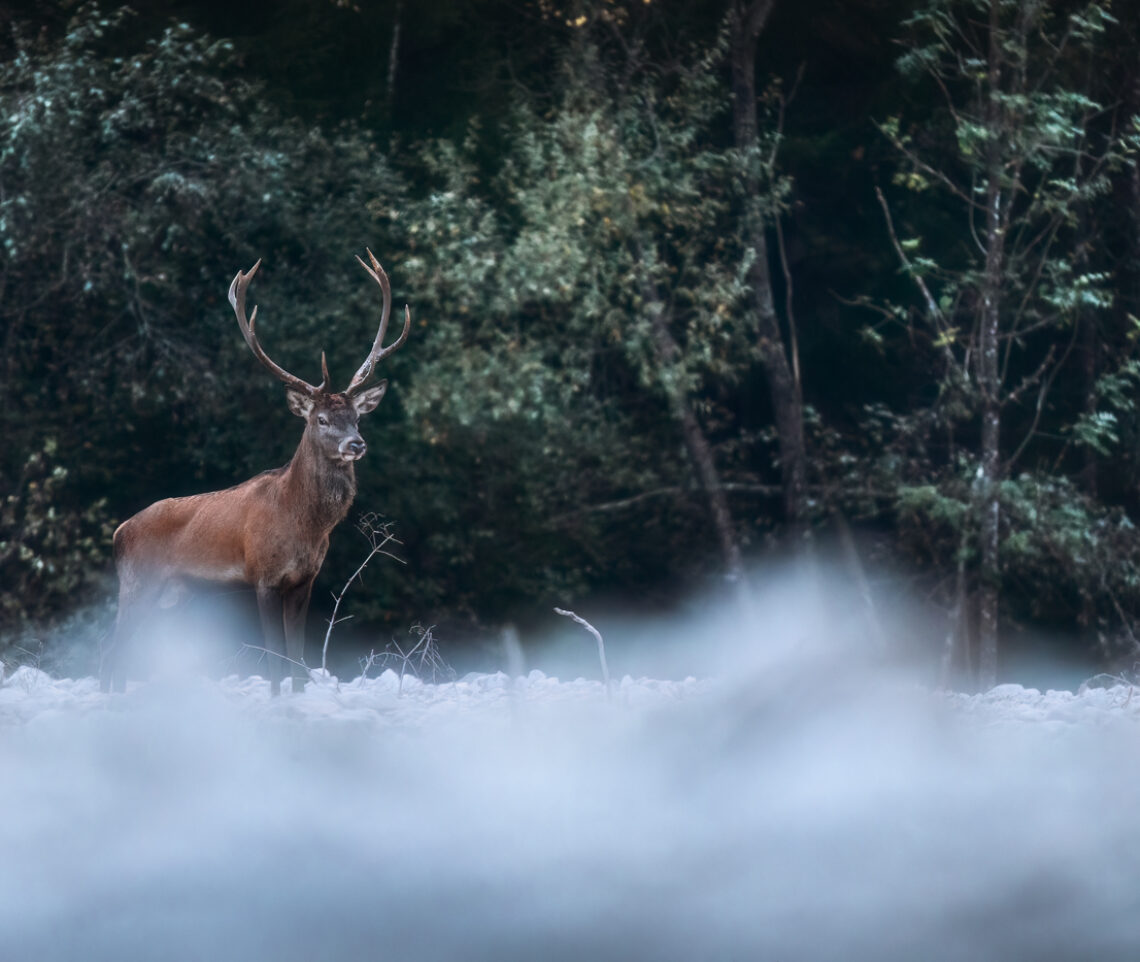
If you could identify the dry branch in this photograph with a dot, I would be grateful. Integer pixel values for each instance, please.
(601, 645)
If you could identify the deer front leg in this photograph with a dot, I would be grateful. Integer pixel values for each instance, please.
(296, 608)
(136, 599)
(269, 606)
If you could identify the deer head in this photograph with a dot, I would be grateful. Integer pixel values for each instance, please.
(331, 418)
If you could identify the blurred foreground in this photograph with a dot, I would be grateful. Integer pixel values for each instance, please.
(805, 798)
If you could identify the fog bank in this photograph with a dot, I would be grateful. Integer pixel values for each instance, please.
(806, 798)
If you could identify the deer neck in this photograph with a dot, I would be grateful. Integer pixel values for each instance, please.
(323, 487)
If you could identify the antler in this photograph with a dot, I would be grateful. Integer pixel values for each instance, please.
(237, 301)
(377, 354)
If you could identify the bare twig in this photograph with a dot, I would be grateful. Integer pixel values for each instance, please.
(1125, 621)
(277, 654)
(379, 535)
(789, 312)
(931, 304)
(366, 664)
(1046, 375)
(671, 491)
(601, 645)
(934, 172)
(422, 659)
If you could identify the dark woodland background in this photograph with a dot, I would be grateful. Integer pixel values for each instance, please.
(692, 284)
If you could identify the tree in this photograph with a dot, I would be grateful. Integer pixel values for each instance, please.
(601, 319)
(1017, 150)
(747, 21)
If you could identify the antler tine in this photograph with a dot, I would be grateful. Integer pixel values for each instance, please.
(378, 353)
(249, 332)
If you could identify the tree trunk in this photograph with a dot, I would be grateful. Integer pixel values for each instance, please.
(989, 526)
(393, 60)
(787, 400)
(1090, 373)
(989, 378)
(666, 350)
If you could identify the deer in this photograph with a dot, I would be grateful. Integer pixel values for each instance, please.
(271, 532)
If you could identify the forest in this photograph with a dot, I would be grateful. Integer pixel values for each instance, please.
(692, 286)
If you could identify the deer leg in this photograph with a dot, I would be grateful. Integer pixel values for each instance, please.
(136, 597)
(296, 607)
(111, 652)
(272, 629)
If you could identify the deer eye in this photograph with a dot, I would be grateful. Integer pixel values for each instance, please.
(321, 419)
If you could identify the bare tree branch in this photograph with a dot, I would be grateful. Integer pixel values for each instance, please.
(597, 637)
(379, 537)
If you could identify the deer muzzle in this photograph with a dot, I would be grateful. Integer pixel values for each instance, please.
(352, 449)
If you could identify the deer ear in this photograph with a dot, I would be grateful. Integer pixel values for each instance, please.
(366, 401)
(300, 404)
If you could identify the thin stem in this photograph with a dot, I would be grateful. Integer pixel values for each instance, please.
(601, 645)
(369, 530)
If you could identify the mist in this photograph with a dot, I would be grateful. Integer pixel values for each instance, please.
(783, 787)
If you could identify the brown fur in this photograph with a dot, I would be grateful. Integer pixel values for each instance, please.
(270, 532)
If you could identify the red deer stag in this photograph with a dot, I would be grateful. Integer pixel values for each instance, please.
(270, 532)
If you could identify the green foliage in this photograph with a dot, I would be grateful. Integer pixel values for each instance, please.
(539, 376)
(529, 450)
(1022, 123)
(1017, 157)
(1116, 404)
(51, 550)
(1065, 557)
(138, 175)
(135, 178)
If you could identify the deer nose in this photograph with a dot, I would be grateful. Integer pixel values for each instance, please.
(356, 447)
